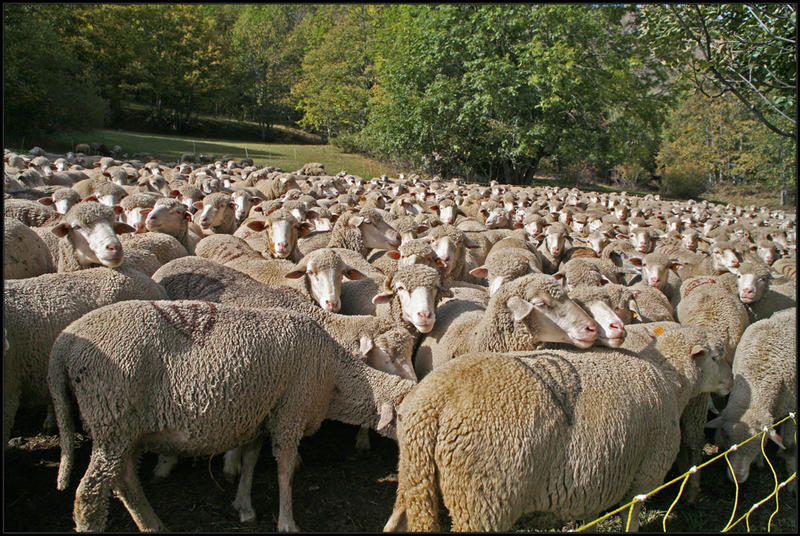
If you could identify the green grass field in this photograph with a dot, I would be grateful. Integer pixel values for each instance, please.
(288, 157)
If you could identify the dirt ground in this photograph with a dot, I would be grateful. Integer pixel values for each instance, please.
(336, 489)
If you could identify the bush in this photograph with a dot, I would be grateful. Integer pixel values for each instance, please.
(629, 176)
(684, 180)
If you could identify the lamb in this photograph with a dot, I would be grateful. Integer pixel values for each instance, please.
(35, 311)
(521, 314)
(171, 217)
(25, 253)
(488, 434)
(88, 234)
(216, 214)
(244, 198)
(161, 245)
(764, 390)
(506, 266)
(273, 394)
(553, 247)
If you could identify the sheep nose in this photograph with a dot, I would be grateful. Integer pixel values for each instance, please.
(424, 316)
(616, 326)
(735, 263)
(332, 306)
(591, 329)
(654, 282)
(281, 245)
(139, 227)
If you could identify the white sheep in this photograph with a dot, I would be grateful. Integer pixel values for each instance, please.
(215, 213)
(764, 390)
(36, 309)
(171, 217)
(25, 254)
(153, 376)
(497, 436)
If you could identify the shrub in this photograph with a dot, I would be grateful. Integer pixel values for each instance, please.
(684, 180)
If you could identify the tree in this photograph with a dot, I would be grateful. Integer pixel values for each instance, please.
(46, 86)
(749, 50)
(337, 75)
(267, 50)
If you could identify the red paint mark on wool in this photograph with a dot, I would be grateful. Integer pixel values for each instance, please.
(694, 284)
(196, 325)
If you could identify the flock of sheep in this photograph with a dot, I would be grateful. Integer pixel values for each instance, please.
(534, 350)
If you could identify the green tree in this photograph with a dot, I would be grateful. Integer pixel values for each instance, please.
(337, 75)
(489, 90)
(46, 86)
(748, 50)
(267, 51)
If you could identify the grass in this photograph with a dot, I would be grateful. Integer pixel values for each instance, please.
(168, 147)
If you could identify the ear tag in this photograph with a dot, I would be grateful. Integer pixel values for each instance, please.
(658, 331)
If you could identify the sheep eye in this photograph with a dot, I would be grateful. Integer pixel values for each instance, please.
(399, 288)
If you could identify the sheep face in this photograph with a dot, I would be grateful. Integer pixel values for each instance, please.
(597, 241)
(448, 214)
(767, 252)
(324, 270)
(213, 214)
(166, 218)
(497, 219)
(376, 232)
(641, 240)
(533, 229)
(752, 287)
(243, 202)
(446, 250)
(555, 319)
(736, 430)
(390, 352)
(137, 218)
(94, 239)
(689, 241)
(611, 328)
(725, 258)
(418, 288)
(555, 243)
(320, 223)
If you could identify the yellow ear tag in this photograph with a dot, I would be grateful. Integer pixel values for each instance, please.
(658, 331)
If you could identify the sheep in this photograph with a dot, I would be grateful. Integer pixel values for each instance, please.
(61, 199)
(521, 314)
(25, 253)
(36, 309)
(281, 231)
(786, 266)
(163, 246)
(764, 389)
(363, 231)
(275, 187)
(108, 193)
(88, 234)
(253, 353)
(187, 194)
(497, 436)
(244, 199)
(656, 270)
(552, 247)
(651, 305)
(606, 305)
(171, 217)
(503, 267)
(580, 271)
(135, 206)
(31, 213)
(450, 245)
(216, 214)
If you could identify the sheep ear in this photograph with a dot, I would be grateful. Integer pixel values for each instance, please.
(45, 200)
(257, 225)
(422, 228)
(90, 198)
(387, 416)
(604, 280)
(480, 271)
(773, 435)
(297, 273)
(198, 205)
(121, 228)
(561, 277)
(365, 345)
(306, 227)
(352, 274)
(519, 308)
(435, 208)
(355, 221)
(61, 230)
(716, 422)
(697, 351)
(393, 254)
(383, 297)
(145, 211)
(470, 244)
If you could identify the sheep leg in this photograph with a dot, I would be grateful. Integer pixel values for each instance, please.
(164, 467)
(362, 438)
(398, 521)
(242, 503)
(90, 509)
(129, 490)
(49, 426)
(232, 464)
(286, 464)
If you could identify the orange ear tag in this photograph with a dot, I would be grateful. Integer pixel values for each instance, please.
(658, 331)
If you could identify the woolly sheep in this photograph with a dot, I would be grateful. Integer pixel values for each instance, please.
(61, 199)
(35, 311)
(521, 314)
(88, 234)
(25, 254)
(281, 231)
(215, 214)
(251, 352)
(163, 246)
(31, 213)
(486, 434)
(171, 217)
(135, 207)
(450, 245)
(764, 390)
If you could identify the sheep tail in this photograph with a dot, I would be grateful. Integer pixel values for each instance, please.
(60, 392)
(418, 481)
